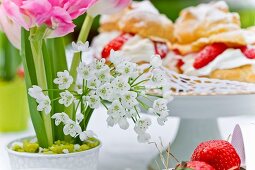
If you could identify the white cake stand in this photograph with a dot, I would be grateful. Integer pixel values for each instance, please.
(198, 103)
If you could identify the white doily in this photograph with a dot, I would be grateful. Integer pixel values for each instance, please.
(190, 85)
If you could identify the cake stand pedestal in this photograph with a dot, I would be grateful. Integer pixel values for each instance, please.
(198, 122)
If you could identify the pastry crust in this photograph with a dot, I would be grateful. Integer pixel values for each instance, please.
(137, 19)
(244, 74)
(196, 25)
(232, 39)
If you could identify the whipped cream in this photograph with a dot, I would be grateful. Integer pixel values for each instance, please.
(230, 58)
(138, 49)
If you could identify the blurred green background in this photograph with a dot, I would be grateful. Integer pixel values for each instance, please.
(172, 9)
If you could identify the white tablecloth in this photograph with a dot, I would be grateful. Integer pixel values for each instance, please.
(120, 150)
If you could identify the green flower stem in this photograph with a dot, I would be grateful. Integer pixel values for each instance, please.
(82, 37)
(36, 45)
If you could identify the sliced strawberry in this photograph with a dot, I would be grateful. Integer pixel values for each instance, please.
(208, 54)
(194, 165)
(115, 44)
(179, 64)
(161, 48)
(248, 51)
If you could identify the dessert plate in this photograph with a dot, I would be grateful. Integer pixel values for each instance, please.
(198, 103)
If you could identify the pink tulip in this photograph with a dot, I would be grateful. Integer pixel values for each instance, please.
(107, 7)
(11, 30)
(58, 15)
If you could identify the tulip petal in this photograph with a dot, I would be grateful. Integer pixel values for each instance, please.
(13, 11)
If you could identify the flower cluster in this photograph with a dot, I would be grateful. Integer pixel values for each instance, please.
(121, 86)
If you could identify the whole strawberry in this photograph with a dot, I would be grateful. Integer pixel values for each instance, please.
(194, 165)
(218, 153)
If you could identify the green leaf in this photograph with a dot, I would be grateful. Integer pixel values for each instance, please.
(30, 77)
(56, 49)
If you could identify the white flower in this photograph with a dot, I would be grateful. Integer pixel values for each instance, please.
(123, 123)
(64, 80)
(116, 109)
(99, 64)
(128, 100)
(78, 89)
(120, 85)
(60, 117)
(79, 118)
(44, 104)
(132, 112)
(111, 121)
(160, 106)
(35, 92)
(104, 75)
(77, 147)
(80, 47)
(65, 151)
(142, 125)
(72, 128)
(116, 57)
(86, 134)
(85, 71)
(93, 101)
(105, 91)
(67, 98)
(127, 69)
(159, 78)
(143, 137)
(93, 83)
(161, 120)
(156, 61)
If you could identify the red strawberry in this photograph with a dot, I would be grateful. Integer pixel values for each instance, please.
(194, 165)
(248, 51)
(218, 153)
(115, 44)
(208, 54)
(161, 48)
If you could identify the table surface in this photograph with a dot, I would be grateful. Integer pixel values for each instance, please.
(120, 150)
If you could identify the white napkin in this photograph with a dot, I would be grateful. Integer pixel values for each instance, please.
(243, 139)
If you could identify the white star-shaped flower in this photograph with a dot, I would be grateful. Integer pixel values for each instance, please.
(116, 57)
(80, 47)
(60, 117)
(104, 75)
(64, 80)
(79, 118)
(128, 100)
(123, 123)
(142, 125)
(156, 61)
(44, 104)
(72, 128)
(159, 78)
(85, 71)
(160, 106)
(99, 64)
(35, 92)
(116, 109)
(93, 101)
(67, 98)
(105, 91)
(120, 85)
(127, 69)
(93, 83)
(86, 134)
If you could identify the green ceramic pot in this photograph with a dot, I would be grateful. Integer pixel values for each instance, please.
(13, 106)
